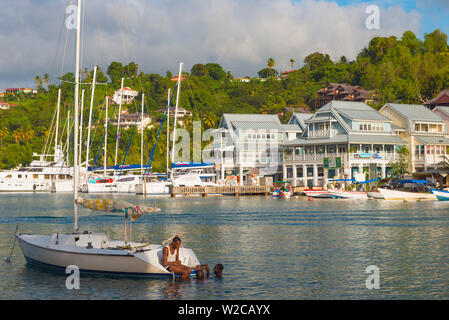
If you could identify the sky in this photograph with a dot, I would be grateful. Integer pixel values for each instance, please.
(158, 34)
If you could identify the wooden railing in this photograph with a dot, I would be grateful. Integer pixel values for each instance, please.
(223, 190)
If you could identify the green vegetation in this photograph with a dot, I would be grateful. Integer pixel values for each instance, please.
(406, 70)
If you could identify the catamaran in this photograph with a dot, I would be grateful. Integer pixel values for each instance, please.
(93, 252)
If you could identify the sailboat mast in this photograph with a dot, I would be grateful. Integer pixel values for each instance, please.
(81, 129)
(57, 123)
(105, 136)
(90, 116)
(68, 135)
(75, 140)
(168, 128)
(141, 136)
(176, 113)
(118, 123)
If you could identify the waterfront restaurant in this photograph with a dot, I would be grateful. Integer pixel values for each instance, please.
(425, 133)
(341, 139)
(246, 143)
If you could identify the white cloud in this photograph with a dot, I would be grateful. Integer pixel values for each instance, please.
(239, 34)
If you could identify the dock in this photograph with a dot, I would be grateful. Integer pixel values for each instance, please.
(220, 190)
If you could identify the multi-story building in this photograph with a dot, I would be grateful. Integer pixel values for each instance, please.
(249, 141)
(342, 92)
(128, 120)
(127, 95)
(424, 131)
(340, 140)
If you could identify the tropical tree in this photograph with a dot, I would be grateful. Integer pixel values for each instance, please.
(292, 63)
(46, 79)
(23, 135)
(400, 167)
(3, 134)
(38, 81)
(271, 63)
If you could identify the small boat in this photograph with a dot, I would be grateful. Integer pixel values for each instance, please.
(348, 195)
(375, 195)
(389, 194)
(317, 193)
(441, 195)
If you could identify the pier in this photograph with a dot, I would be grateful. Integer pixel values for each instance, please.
(220, 190)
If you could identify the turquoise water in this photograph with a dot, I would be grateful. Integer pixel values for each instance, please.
(270, 248)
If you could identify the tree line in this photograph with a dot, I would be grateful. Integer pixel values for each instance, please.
(405, 69)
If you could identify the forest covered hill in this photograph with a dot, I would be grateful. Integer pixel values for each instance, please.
(406, 69)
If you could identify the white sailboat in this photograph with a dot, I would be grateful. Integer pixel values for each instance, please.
(95, 252)
(181, 174)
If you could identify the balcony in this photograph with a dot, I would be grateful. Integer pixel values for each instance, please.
(322, 133)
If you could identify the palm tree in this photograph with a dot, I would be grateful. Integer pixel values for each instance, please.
(209, 119)
(271, 63)
(292, 62)
(23, 135)
(3, 134)
(38, 81)
(46, 79)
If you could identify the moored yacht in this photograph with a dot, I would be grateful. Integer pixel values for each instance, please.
(40, 176)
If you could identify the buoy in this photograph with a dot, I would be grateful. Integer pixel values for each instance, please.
(310, 199)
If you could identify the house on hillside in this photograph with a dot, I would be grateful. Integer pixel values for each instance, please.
(342, 92)
(129, 120)
(442, 99)
(6, 105)
(127, 94)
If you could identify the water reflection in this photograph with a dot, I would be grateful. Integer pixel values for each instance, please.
(270, 248)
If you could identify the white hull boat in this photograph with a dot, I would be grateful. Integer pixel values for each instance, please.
(96, 253)
(375, 195)
(156, 188)
(442, 195)
(348, 195)
(124, 184)
(403, 195)
(317, 193)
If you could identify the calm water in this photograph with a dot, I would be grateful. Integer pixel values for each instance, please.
(270, 248)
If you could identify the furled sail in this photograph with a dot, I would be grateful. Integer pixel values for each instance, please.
(109, 205)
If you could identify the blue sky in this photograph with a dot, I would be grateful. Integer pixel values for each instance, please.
(434, 13)
(238, 34)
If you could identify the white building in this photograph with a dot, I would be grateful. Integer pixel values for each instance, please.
(245, 142)
(339, 140)
(128, 95)
(128, 120)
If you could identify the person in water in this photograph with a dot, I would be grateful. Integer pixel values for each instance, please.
(171, 261)
(218, 269)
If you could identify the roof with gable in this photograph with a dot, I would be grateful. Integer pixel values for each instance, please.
(415, 112)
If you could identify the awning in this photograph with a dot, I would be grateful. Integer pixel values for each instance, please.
(432, 140)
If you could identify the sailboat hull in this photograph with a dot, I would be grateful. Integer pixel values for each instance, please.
(44, 250)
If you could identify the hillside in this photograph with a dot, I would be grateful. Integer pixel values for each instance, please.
(406, 70)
